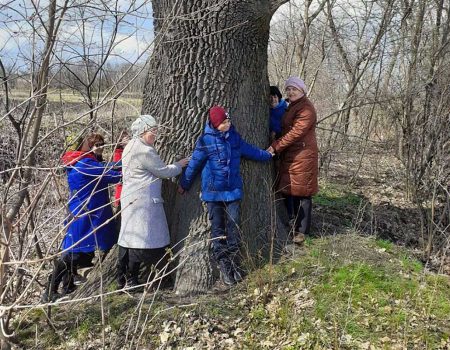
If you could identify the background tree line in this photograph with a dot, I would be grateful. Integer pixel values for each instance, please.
(377, 72)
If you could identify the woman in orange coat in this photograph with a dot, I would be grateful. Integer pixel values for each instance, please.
(298, 150)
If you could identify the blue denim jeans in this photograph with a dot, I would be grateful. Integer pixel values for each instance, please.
(224, 218)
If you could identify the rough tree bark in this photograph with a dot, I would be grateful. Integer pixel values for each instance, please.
(208, 53)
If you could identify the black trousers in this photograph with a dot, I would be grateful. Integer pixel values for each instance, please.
(302, 214)
(130, 259)
(65, 268)
(289, 204)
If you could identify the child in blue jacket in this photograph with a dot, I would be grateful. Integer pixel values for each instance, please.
(218, 154)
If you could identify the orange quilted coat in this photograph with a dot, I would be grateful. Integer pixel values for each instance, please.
(298, 148)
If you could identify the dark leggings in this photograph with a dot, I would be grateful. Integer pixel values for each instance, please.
(289, 204)
(130, 260)
(302, 211)
(66, 268)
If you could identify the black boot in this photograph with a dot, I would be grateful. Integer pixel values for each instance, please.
(69, 288)
(133, 278)
(226, 271)
(121, 280)
(68, 283)
(238, 273)
(235, 259)
(50, 296)
(133, 285)
(58, 274)
(122, 267)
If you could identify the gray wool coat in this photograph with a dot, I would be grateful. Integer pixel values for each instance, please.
(144, 223)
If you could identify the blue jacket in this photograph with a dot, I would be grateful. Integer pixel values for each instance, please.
(88, 184)
(218, 154)
(276, 114)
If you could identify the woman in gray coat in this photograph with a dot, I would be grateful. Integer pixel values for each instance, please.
(144, 234)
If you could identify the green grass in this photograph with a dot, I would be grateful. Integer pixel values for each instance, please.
(356, 287)
(388, 246)
(87, 322)
(340, 293)
(411, 264)
(369, 302)
(337, 196)
(258, 313)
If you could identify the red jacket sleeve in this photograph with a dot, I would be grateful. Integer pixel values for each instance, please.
(117, 154)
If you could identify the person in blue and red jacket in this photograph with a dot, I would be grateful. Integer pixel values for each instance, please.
(124, 138)
(218, 155)
(89, 225)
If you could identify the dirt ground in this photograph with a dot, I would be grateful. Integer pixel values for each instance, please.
(383, 209)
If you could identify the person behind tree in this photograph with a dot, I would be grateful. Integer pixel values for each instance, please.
(298, 150)
(89, 227)
(124, 138)
(277, 108)
(117, 159)
(218, 155)
(144, 233)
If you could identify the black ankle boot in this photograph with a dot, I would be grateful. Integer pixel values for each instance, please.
(238, 273)
(226, 271)
(48, 297)
(121, 281)
(133, 285)
(235, 260)
(68, 286)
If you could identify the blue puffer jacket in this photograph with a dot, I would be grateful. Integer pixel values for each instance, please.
(89, 205)
(219, 155)
(276, 114)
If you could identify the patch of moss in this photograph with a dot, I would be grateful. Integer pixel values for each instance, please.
(87, 322)
(436, 296)
(333, 195)
(388, 246)
(258, 313)
(118, 306)
(410, 264)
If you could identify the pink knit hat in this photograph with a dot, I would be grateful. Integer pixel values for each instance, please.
(296, 82)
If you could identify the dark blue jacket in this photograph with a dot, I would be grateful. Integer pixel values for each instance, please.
(276, 114)
(89, 205)
(218, 154)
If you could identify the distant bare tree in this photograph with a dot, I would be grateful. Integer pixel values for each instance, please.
(292, 35)
(381, 77)
(29, 138)
(423, 114)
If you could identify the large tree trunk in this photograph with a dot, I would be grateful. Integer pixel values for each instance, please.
(206, 53)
